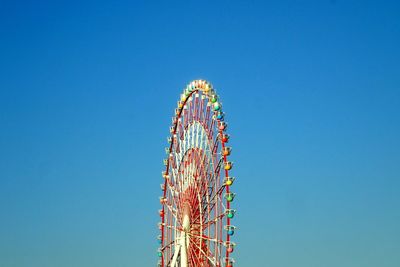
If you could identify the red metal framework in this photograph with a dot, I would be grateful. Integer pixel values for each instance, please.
(196, 199)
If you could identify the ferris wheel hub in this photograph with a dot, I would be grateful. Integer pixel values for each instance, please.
(186, 219)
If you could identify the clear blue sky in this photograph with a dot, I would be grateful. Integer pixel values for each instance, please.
(311, 90)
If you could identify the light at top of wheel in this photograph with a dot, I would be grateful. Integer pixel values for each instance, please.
(202, 85)
(208, 91)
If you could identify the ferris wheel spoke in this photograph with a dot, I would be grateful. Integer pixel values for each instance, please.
(168, 245)
(195, 107)
(190, 109)
(213, 221)
(211, 127)
(213, 261)
(174, 214)
(206, 238)
(207, 116)
(174, 173)
(177, 157)
(193, 255)
(174, 196)
(211, 204)
(201, 110)
(179, 229)
(193, 240)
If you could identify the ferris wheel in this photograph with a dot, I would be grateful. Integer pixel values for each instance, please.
(196, 213)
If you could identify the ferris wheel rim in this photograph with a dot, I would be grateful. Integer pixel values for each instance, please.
(223, 158)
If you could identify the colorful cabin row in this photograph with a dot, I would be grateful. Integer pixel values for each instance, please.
(222, 126)
(229, 180)
(230, 213)
(163, 200)
(159, 239)
(199, 84)
(225, 138)
(228, 165)
(226, 151)
(216, 106)
(165, 175)
(220, 116)
(229, 262)
(229, 196)
(229, 246)
(230, 229)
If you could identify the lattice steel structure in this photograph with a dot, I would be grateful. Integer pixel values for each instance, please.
(196, 213)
